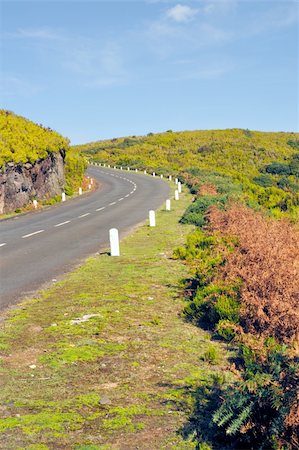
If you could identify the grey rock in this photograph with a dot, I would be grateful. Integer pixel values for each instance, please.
(20, 184)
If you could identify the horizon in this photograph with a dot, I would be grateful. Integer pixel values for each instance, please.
(100, 70)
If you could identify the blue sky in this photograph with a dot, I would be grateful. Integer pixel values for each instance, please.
(94, 69)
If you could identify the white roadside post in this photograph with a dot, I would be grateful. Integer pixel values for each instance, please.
(63, 197)
(128, 168)
(154, 174)
(114, 167)
(179, 187)
(161, 176)
(152, 218)
(176, 195)
(114, 242)
(168, 205)
(80, 191)
(91, 181)
(136, 170)
(35, 203)
(89, 186)
(176, 181)
(100, 164)
(121, 168)
(144, 172)
(170, 177)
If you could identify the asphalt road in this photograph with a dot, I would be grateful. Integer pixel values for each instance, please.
(41, 246)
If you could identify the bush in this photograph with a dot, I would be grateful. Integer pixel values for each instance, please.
(211, 355)
(260, 410)
(277, 168)
(195, 213)
(264, 181)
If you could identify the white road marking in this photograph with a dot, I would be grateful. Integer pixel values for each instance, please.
(100, 209)
(32, 234)
(62, 223)
(2, 245)
(120, 199)
(111, 204)
(83, 215)
(128, 195)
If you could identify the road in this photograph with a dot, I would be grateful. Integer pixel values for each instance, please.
(41, 246)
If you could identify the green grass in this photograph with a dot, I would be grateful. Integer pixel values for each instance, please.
(125, 378)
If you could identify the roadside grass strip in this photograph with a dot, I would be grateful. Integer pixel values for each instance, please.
(103, 359)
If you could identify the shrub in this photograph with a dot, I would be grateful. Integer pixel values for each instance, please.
(263, 180)
(277, 168)
(211, 355)
(261, 409)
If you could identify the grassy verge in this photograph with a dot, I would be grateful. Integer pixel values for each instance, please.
(103, 360)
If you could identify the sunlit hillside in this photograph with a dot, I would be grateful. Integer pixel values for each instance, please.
(265, 164)
(23, 141)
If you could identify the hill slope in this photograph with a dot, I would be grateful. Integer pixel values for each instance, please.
(241, 155)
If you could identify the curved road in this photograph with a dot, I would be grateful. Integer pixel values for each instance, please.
(38, 247)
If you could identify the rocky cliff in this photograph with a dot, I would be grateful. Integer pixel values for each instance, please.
(20, 184)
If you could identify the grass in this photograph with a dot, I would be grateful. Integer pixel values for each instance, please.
(124, 377)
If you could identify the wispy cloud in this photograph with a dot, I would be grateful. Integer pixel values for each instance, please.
(93, 62)
(181, 13)
(11, 86)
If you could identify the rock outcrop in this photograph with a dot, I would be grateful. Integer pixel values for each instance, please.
(20, 184)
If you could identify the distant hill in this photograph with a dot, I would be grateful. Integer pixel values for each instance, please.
(23, 141)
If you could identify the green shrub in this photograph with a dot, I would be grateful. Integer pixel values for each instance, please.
(195, 213)
(264, 180)
(211, 355)
(226, 330)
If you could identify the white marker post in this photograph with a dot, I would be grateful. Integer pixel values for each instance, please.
(91, 181)
(114, 242)
(170, 177)
(179, 187)
(89, 186)
(176, 181)
(167, 205)
(80, 191)
(136, 170)
(121, 168)
(144, 172)
(176, 195)
(154, 174)
(128, 168)
(114, 167)
(35, 204)
(109, 166)
(152, 218)
(63, 197)
(104, 165)
(161, 176)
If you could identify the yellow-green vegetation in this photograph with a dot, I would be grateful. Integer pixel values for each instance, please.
(23, 141)
(75, 167)
(244, 156)
(104, 359)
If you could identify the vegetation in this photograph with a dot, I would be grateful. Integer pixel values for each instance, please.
(244, 287)
(238, 155)
(22, 141)
(125, 375)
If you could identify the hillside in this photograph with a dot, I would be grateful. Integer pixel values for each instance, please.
(23, 141)
(242, 155)
(36, 163)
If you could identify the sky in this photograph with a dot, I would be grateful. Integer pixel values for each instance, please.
(103, 69)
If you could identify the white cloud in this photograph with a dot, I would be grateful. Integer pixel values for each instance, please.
(181, 13)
